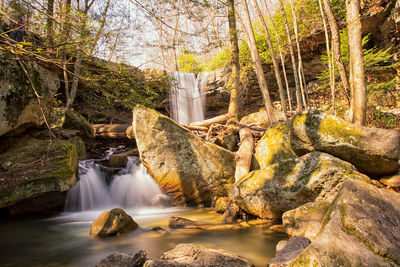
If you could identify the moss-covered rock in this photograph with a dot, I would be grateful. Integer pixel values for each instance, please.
(361, 228)
(222, 204)
(274, 146)
(373, 151)
(73, 120)
(113, 222)
(256, 119)
(306, 220)
(19, 107)
(187, 168)
(80, 146)
(269, 192)
(36, 167)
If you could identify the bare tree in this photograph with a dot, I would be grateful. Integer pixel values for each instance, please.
(295, 72)
(331, 80)
(357, 75)
(273, 59)
(336, 48)
(257, 64)
(233, 103)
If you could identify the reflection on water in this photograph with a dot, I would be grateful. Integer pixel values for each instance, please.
(64, 240)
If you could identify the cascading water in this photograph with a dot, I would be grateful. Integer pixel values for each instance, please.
(132, 187)
(187, 96)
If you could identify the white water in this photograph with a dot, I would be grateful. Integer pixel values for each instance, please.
(131, 188)
(187, 96)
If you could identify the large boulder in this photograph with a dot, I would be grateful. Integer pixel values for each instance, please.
(269, 192)
(361, 228)
(113, 222)
(187, 168)
(192, 255)
(19, 107)
(33, 167)
(373, 151)
(274, 146)
(74, 120)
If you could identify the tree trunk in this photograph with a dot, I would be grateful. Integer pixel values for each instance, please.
(296, 77)
(356, 62)
(336, 48)
(49, 23)
(273, 59)
(244, 154)
(100, 30)
(302, 80)
(258, 65)
(331, 80)
(233, 102)
(281, 56)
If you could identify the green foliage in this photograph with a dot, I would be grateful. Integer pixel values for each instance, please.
(220, 61)
(379, 67)
(187, 62)
(380, 119)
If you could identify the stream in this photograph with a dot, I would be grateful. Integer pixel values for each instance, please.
(64, 240)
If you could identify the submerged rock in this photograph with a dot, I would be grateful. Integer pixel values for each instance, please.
(274, 146)
(36, 167)
(188, 169)
(192, 255)
(179, 223)
(269, 192)
(373, 151)
(361, 228)
(116, 259)
(113, 222)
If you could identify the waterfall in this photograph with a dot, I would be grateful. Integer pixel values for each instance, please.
(132, 187)
(187, 99)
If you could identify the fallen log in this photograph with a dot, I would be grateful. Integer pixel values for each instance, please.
(196, 128)
(206, 123)
(113, 131)
(245, 153)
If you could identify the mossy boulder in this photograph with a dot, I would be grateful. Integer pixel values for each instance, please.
(361, 228)
(286, 185)
(187, 168)
(373, 151)
(306, 220)
(19, 107)
(274, 146)
(73, 120)
(113, 222)
(80, 146)
(36, 167)
(256, 119)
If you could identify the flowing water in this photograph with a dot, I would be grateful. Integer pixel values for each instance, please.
(187, 96)
(64, 240)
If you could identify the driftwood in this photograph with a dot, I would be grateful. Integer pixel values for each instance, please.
(113, 131)
(245, 153)
(196, 128)
(206, 123)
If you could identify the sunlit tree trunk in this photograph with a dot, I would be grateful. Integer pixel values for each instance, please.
(302, 79)
(273, 59)
(295, 73)
(233, 103)
(331, 80)
(359, 89)
(336, 48)
(281, 56)
(257, 64)
(50, 23)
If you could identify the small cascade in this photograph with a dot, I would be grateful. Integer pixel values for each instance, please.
(187, 96)
(132, 187)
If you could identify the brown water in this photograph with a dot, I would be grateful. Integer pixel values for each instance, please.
(64, 240)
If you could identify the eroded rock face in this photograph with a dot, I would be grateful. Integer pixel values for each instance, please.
(188, 169)
(19, 108)
(360, 229)
(373, 151)
(274, 146)
(192, 255)
(269, 192)
(306, 220)
(113, 222)
(36, 167)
